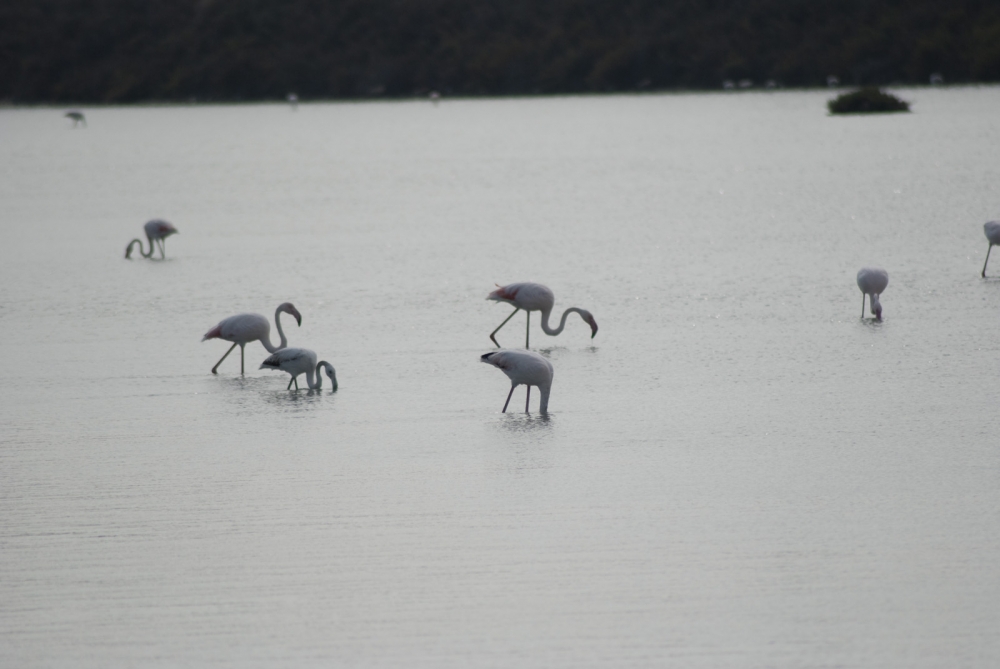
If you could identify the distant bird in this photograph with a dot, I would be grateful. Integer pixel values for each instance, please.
(297, 361)
(523, 368)
(293, 100)
(992, 231)
(535, 297)
(156, 231)
(244, 328)
(77, 117)
(435, 97)
(872, 281)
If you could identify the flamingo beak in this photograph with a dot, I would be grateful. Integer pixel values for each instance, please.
(298, 316)
(593, 328)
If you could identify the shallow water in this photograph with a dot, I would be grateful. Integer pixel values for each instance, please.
(738, 471)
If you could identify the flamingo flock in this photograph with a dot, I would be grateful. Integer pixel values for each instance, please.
(522, 367)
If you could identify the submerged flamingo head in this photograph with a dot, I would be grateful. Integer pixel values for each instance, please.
(876, 308)
(289, 308)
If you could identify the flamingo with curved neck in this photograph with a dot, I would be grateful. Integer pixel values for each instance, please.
(297, 361)
(156, 231)
(535, 297)
(872, 281)
(242, 329)
(525, 368)
(992, 231)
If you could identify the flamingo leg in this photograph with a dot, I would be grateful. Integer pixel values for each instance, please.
(242, 348)
(296, 379)
(987, 260)
(527, 398)
(290, 383)
(163, 249)
(516, 309)
(223, 358)
(862, 305)
(527, 335)
(508, 399)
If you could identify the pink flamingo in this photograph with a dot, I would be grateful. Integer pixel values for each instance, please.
(297, 361)
(992, 230)
(244, 328)
(523, 368)
(156, 231)
(872, 281)
(535, 297)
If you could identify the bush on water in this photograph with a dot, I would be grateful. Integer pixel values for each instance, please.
(869, 100)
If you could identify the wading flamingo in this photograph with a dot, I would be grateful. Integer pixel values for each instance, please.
(523, 368)
(297, 361)
(535, 297)
(77, 117)
(872, 281)
(156, 231)
(244, 328)
(992, 230)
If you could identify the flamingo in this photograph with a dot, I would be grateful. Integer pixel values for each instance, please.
(244, 328)
(523, 368)
(293, 100)
(156, 231)
(535, 297)
(297, 361)
(77, 117)
(992, 230)
(872, 281)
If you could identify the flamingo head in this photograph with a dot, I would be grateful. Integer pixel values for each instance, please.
(289, 308)
(589, 319)
(332, 373)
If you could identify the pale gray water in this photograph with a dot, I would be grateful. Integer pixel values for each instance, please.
(737, 471)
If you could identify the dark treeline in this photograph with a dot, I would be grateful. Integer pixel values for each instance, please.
(133, 50)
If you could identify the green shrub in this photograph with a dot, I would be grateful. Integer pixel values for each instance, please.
(868, 100)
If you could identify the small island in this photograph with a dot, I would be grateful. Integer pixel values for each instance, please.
(868, 100)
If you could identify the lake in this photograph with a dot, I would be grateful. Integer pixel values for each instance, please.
(737, 471)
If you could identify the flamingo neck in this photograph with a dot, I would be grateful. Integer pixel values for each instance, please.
(266, 339)
(543, 402)
(562, 323)
(318, 383)
(128, 249)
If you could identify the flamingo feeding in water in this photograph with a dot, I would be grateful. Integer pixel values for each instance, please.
(77, 117)
(297, 361)
(535, 297)
(244, 328)
(992, 230)
(156, 231)
(872, 281)
(523, 368)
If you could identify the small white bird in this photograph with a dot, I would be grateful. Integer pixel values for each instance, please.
(535, 297)
(872, 281)
(992, 231)
(523, 368)
(244, 328)
(156, 231)
(297, 361)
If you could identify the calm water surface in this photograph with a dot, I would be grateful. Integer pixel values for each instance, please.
(738, 471)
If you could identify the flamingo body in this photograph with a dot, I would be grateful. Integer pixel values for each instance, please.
(872, 281)
(242, 329)
(536, 297)
(296, 361)
(992, 231)
(523, 368)
(156, 232)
